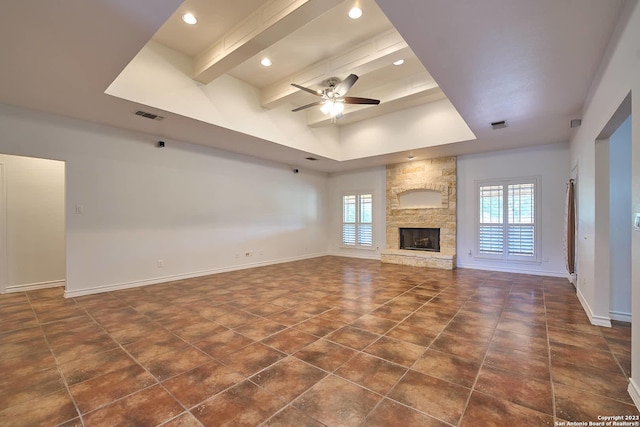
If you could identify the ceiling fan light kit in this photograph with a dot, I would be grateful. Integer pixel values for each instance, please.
(334, 97)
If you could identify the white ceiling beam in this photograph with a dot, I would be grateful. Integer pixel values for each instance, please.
(274, 20)
(362, 59)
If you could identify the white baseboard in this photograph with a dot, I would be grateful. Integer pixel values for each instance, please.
(620, 316)
(595, 320)
(511, 269)
(164, 279)
(634, 392)
(34, 286)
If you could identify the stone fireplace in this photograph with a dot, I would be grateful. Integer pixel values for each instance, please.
(421, 214)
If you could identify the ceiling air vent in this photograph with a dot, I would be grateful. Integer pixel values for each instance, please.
(148, 115)
(499, 125)
(313, 159)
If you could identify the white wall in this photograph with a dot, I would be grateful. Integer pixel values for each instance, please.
(34, 226)
(620, 227)
(195, 208)
(361, 181)
(551, 163)
(618, 76)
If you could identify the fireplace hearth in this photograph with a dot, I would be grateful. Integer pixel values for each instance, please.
(420, 239)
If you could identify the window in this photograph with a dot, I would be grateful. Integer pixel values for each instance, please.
(507, 217)
(357, 228)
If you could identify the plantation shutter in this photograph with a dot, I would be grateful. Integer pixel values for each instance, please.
(365, 227)
(349, 220)
(491, 236)
(520, 230)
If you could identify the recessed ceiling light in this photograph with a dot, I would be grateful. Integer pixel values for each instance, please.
(189, 19)
(355, 12)
(266, 62)
(398, 62)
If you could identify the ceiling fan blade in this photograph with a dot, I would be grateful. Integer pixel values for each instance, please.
(306, 89)
(356, 100)
(304, 107)
(346, 84)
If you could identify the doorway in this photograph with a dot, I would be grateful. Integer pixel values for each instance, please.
(32, 223)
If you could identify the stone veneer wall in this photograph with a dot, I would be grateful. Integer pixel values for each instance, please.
(434, 174)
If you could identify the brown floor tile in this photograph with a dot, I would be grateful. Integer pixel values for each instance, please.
(251, 359)
(52, 409)
(148, 407)
(223, 343)
(290, 317)
(579, 405)
(578, 356)
(102, 390)
(413, 335)
(392, 414)
(290, 340)
(373, 324)
(319, 326)
(290, 416)
(243, 405)
(520, 362)
(183, 420)
(597, 381)
(400, 352)
(293, 308)
(154, 345)
(325, 355)
(334, 401)
(201, 383)
(16, 390)
(448, 367)
(525, 391)
(371, 372)
(353, 337)
(438, 398)
(136, 332)
(199, 331)
(172, 363)
(459, 346)
(288, 378)
(578, 339)
(260, 329)
(94, 365)
(523, 327)
(487, 411)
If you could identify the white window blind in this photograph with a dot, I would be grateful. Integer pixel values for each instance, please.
(357, 226)
(507, 218)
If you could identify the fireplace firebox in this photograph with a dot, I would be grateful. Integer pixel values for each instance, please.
(420, 239)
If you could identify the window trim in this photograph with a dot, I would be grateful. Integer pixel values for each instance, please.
(373, 217)
(536, 180)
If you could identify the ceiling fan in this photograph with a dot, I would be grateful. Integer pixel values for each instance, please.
(333, 97)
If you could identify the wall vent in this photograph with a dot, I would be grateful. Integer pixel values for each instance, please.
(148, 115)
(499, 125)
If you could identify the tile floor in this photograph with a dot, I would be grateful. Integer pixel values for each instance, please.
(328, 341)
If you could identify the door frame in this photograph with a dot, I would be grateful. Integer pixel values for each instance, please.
(3, 230)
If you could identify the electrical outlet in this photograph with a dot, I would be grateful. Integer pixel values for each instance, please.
(160, 263)
(79, 209)
(248, 253)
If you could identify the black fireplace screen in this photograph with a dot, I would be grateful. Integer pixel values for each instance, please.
(420, 239)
